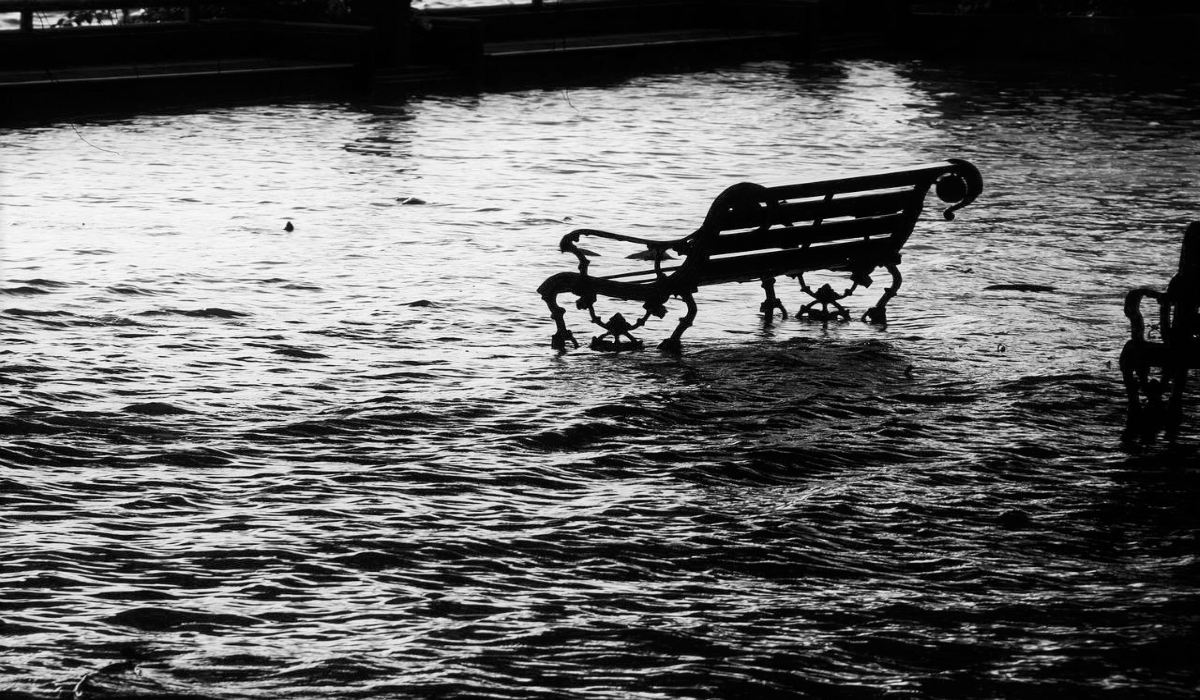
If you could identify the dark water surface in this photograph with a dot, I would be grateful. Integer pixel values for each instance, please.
(239, 462)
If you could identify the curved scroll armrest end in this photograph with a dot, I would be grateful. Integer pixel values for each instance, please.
(958, 186)
(1133, 309)
(1133, 300)
(567, 244)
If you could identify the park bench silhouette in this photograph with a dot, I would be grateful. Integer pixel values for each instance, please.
(851, 225)
(1173, 354)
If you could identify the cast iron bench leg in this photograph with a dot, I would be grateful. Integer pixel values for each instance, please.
(878, 313)
(1134, 375)
(1155, 403)
(673, 344)
(562, 336)
(772, 302)
(1175, 405)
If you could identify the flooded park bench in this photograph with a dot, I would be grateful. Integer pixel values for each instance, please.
(850, 225)
(1173, 354)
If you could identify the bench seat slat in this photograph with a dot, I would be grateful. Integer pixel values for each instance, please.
(836, 257)
(642, 286)
(749, 267)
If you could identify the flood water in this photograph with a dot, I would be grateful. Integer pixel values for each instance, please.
(343, 461)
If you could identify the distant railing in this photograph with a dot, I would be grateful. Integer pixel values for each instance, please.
(28, 9)
(190, 9)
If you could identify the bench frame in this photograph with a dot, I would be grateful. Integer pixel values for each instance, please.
(1174, 354)
(851, 224)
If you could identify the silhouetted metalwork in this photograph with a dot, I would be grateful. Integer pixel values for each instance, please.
(1156, 399)
(852, 224)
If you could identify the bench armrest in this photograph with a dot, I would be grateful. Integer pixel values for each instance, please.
(1133, 311)
(655, 250)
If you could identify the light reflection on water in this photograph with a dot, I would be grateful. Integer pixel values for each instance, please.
(343, 461)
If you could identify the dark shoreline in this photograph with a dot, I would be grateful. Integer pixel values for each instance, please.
(96, 70)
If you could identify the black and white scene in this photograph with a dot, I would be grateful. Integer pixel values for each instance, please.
(600, 350)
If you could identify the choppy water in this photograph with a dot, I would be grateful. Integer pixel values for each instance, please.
(239, 462)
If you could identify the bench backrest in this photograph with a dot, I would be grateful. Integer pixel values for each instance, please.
(1183, 292)
(851, 223)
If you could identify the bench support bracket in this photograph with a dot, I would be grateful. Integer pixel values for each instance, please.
(618, 328)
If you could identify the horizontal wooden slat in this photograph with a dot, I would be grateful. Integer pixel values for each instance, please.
(902, 177)
(875, 203)
(805, 234)
(858, 204)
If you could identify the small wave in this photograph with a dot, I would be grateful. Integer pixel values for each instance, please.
(15, 629)
(155, 408)
(572, 437)
(319, 428)
(22, 369)
(39, 282)
(35, 314)
(130, 290)
(210, 312)
(152, 619)
(198, 459)
(299, 354)
(24, 291)
(936, 399)
(1032, 288)
(373, 561)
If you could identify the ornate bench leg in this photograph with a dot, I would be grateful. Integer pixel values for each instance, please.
(673, 344)
(878, 313)
(1174, 415)
(772, 302)
(618, 328)
(1129, 375)
(1133, 375)
(562, 336)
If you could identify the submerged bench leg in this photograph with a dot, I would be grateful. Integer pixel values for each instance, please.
(772, 302)
(1134, 374)
(1175, 404)
(1132, 395)
(878, 313)
(562, 336)
(673, 344)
